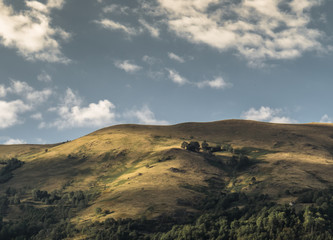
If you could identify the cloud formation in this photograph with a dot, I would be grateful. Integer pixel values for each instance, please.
(30, 31)
(217, 83)
(266, 114)
(71, 113)
(127, 66)
(44, 77)
(176, 78)
(24, 90)
(144, 116)
(9, 112)
(154, 31)
(27, 99)
(175, 57)
(112, 25)
(37, 116)
(326, 119)
(14, 141)
(259, 30)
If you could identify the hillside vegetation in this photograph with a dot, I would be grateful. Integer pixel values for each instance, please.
(141, 173)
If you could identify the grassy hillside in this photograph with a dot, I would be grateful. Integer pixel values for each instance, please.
(135, 170)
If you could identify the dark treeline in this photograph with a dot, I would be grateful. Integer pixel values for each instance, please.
(223, 216)
(9, 166)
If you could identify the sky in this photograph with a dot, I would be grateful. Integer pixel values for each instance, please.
(70, 67)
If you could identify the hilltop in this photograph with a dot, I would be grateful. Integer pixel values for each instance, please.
(135, 171)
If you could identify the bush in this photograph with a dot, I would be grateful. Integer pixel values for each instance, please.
(98, 210)
(193, 146)
(204, 145)
(184, 145)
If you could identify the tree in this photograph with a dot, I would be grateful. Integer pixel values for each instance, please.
(204, 145)
(98, 210)
(184, 145)
(193, 146)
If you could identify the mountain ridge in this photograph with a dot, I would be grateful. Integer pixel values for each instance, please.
(119, 161)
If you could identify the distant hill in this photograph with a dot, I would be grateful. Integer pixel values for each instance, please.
(135, 171)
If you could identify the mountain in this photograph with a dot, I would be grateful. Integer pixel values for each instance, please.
(135, 171)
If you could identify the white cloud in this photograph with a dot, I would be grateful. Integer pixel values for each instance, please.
(14, 141)
(37, 116)
(55, 3)
(44, 77)
(154, 32)
(259, 30)
(71, 114)
(112, 25)
(71, 98)
(176, 57)
(267, 114)
(31, 33)
(144, 116)
(176, 78)
(29, 98)
(39, 96)
(9, 112)
(149, 60)
(217, 83)
(116, 9)
(19, 87)
(127, 66)
(3, 91)
(24, 90)
(326, 119)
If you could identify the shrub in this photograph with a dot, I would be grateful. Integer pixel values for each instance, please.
(98, 210)
(193, 146)
(184, 145)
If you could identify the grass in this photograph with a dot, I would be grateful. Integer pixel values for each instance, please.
(115, 174)
(109, 161)
(253, 152)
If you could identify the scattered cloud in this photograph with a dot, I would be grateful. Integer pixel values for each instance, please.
(114, 26)
(176, 78)
(217, 83)
(150, 60)
(9, 112)
(116, 9)
(44, 77)
(127, 66)
(71, 114)
(144, 116)
(55, 4)
(14, 141)
(28, 99)
(266, 114)
(154, 32)
(326, 119)
(3, 91)
(71, 98)
(258, 30)
(37, 116)
(24, 90)
(31, 33)
(176, 57)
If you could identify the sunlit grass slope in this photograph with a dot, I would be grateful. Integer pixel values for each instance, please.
(142, 171)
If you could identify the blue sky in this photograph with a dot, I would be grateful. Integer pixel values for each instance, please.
(68, 68)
